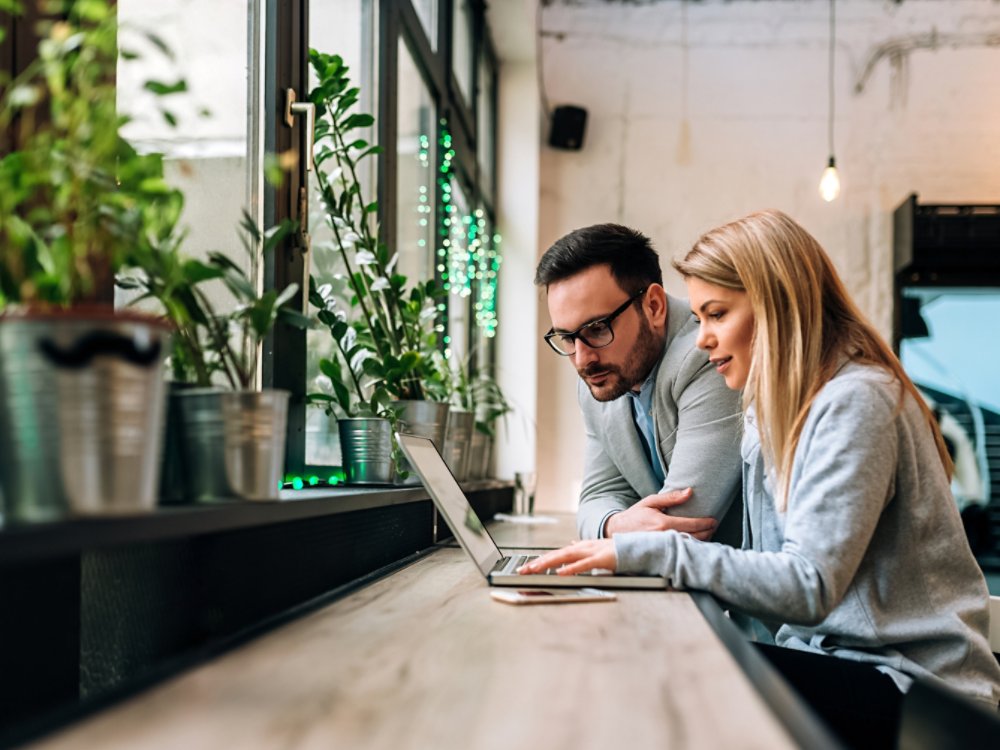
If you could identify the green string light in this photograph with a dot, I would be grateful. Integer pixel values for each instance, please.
(468, 258)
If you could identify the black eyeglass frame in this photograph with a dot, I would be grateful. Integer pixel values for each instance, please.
(577, 334)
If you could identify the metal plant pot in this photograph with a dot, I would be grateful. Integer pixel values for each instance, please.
(194, 465)
(427, 419)
(172, 468)
(81, 412)
(479, 460)
(366, 450)
(254, 436)
(458, 442)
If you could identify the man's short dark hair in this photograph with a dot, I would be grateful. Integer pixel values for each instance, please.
(630, 255)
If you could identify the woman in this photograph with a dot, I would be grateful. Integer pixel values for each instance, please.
(853, 546)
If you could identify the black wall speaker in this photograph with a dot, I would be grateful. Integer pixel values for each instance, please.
(568, 126)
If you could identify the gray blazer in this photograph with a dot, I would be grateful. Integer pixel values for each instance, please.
(697, 428)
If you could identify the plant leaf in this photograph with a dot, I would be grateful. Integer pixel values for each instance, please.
(164, 89)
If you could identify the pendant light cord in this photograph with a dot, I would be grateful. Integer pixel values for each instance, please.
(833, 27)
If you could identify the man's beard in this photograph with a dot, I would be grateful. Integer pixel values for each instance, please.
(647, 350)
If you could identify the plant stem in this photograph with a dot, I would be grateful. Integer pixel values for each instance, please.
(327, 192)
(363, 231)
(354, 379)
(392, 300)
(220, 339)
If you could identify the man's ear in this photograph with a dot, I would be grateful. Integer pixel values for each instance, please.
(654, 302)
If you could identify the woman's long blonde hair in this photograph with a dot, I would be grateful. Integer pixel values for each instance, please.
(805, 323)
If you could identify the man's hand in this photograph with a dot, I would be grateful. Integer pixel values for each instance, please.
(648, 515)
(576, 558)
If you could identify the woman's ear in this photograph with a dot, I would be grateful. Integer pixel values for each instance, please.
(654, 301)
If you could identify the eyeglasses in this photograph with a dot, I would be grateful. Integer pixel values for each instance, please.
(595, 334)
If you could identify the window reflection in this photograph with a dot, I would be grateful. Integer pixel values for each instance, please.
(427, 11)
(484, 295)
(459, 271)
(461, 39)
(486, 146)
(208, 151)
(942, 351)
(416, 157)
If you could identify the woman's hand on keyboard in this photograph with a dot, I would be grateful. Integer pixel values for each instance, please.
(578, 557)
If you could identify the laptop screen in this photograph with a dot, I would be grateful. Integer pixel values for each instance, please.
(450, 500)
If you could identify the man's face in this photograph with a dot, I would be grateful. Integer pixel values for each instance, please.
(622, 365)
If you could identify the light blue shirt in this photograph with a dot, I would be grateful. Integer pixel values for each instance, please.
(642, 412)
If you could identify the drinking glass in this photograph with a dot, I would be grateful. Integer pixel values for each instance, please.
(524, 493)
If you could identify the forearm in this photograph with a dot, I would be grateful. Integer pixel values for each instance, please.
(782, 586)
(707, 459)
(704, 449)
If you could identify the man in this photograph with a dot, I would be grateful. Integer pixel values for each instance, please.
(666, 456)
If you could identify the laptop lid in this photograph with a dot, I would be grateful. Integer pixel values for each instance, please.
(472, 535)
(451, 501)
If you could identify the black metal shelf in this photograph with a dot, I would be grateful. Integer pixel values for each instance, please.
(90, 606)
(33, 542)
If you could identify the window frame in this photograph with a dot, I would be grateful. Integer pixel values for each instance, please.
(285, 355)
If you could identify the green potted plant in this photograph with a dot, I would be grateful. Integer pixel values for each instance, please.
(394, 340)
(489, 405)
(81, 391)
(360, 403)
(461, 419)
(232, 436)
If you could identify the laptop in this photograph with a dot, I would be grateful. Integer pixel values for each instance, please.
(473, 537)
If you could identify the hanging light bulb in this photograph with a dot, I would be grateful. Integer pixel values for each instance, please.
(829, 184)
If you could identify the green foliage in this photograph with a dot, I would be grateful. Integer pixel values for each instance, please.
(389, 350)
(76, 200)
(206, 340)
(356, 392)
(479, 394)
(490, 404)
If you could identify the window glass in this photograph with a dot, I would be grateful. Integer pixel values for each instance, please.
(457, 272)
(943, 356)
(427, 11)
(487, 261)
(208, 152)
(485, 126)
(342, 28)
(416, 157)
(461, 40)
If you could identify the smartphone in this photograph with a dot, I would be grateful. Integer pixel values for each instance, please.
(551, 596)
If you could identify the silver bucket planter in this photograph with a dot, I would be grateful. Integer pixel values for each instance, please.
(366, 450)
(172, 469)
(194, 468)
(81, 412)
(254, 436)
(458, 442)
(427, 419)
(224, 445)
(480, 454)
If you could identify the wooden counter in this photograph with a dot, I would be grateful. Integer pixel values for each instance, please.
(424, 658)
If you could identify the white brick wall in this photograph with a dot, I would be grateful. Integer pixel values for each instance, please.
(702, 112)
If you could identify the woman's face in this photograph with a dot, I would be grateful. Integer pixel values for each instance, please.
(726, 330)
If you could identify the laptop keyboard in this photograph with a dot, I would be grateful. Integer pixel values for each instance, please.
(512, 563)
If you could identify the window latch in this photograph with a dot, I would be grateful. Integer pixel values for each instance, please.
(293, 108)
